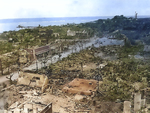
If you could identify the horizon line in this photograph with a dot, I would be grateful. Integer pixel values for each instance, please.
(70, 17)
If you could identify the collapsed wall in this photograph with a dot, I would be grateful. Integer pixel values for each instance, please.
(33, 80)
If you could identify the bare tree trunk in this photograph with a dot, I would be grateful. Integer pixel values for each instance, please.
(72, 49)
(1, 68)
(51, 59)
(41, 64)
(36, 65)
(81, 66)
(59, 56)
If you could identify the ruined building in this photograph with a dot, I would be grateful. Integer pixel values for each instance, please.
(33, 80)
(31, 54)
(81, 86)
(77, 33)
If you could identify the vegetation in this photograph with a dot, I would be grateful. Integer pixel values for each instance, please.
(38, 36)
(24, 38)
(126, 52)
(6, 47)
(134, 29)
(121, 77)
(13, 41)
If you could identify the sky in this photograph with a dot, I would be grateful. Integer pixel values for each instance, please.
(71, 8)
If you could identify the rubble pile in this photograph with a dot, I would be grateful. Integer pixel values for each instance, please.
(80, 86)
(81, 82)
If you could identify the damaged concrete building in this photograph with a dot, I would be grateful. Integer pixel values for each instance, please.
(31, 100)
(81, 86)
(76, 33)
(33, 80)
(31, 54)
(38, 51)
(55, 35)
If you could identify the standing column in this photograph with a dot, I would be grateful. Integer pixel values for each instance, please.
(137, 102)
(127, 107)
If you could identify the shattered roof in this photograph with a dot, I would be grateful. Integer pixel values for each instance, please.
(41, 50)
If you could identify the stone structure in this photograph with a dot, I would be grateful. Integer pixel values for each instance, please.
(38, 51)
(32, 53)
(77, 33)
(81, 86)
(55, 34)
(137, 102)
(33, 80)
(71, 33)
(127, 107)
(24, 57)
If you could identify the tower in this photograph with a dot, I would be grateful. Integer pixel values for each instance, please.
(136, 15)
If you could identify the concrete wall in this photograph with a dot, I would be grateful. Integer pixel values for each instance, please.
(25, 78)
(74, 33)
(71, 33)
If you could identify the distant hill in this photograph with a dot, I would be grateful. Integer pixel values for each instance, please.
(134, 29)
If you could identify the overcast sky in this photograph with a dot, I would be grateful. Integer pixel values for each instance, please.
(71, 8)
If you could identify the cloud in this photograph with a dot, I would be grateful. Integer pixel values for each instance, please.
(75, 2)
(125, 7)
(68, 8)
(83, 8)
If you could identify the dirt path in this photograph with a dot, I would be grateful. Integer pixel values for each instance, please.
(4, 79)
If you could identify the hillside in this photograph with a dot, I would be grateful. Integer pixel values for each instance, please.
(108, 58)
(39, 36)
(134, 29)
